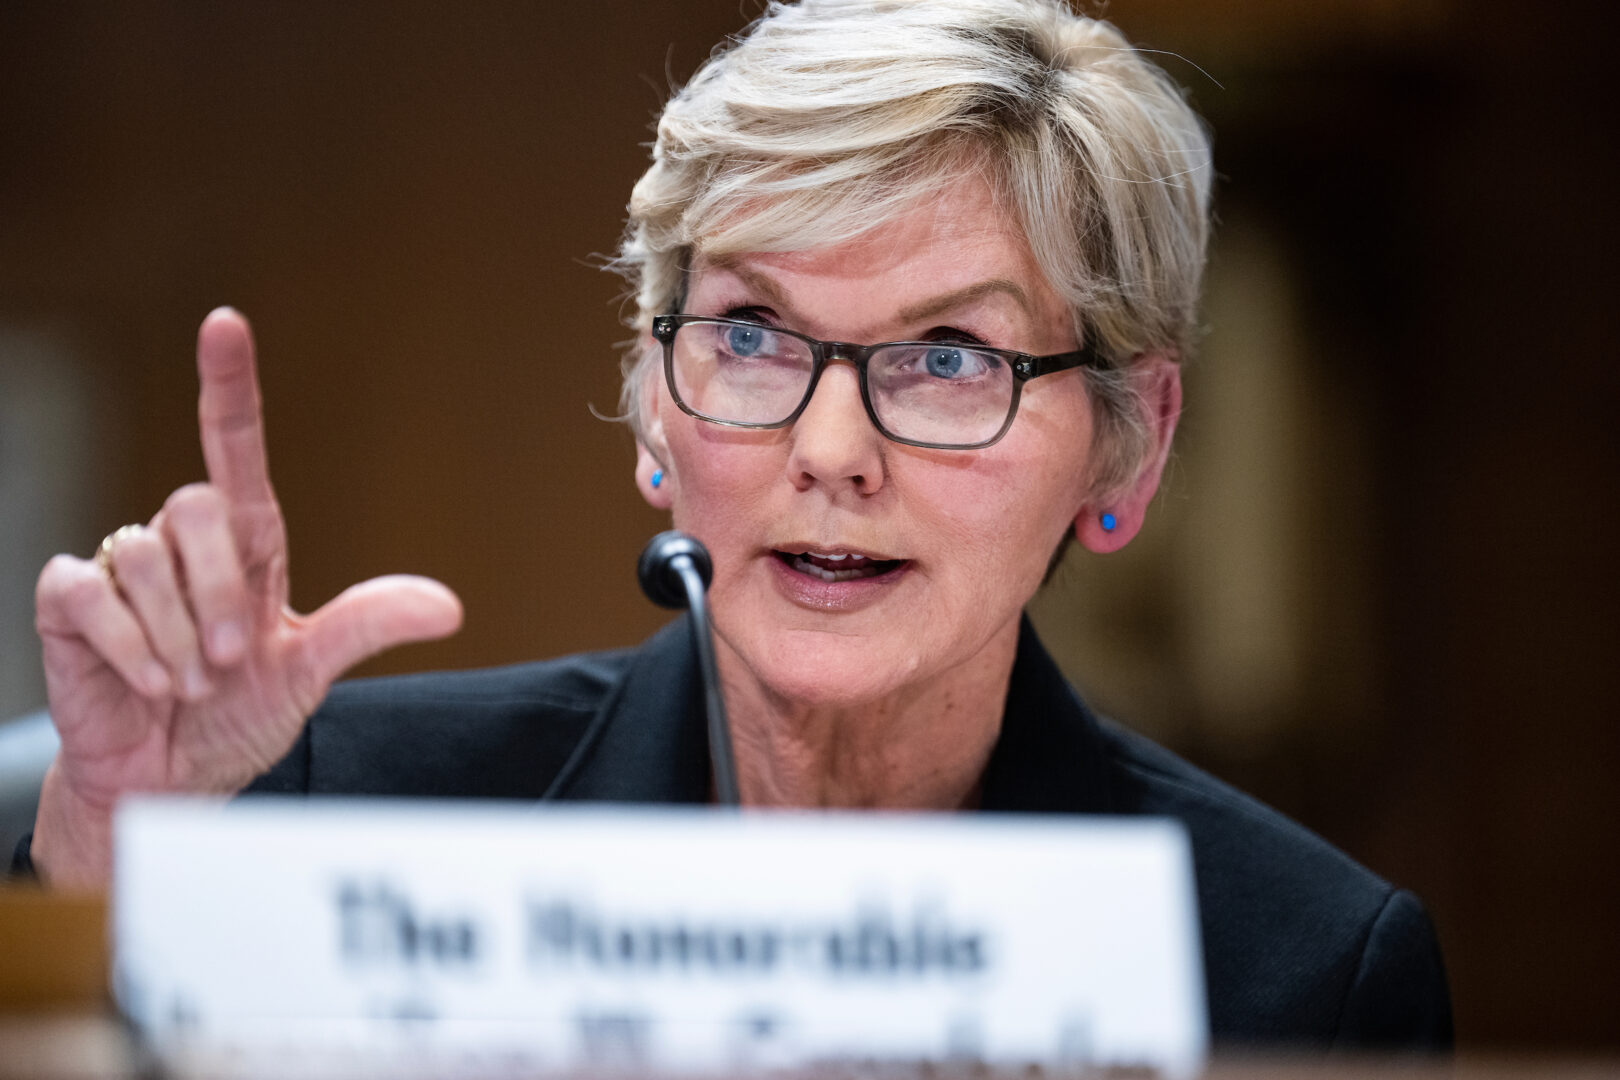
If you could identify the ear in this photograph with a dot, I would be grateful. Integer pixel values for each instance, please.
(658, 497)
(651, 451)
(1161, 399)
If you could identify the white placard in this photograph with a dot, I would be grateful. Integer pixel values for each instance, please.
(508, 938)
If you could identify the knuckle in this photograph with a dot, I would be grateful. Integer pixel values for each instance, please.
(82, 593)
(140, 556)
(194, 506)
(58, 573)
(56, 600)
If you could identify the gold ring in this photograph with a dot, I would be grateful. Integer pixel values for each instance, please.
(104, 550)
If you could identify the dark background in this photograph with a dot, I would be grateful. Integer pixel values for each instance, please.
(1378, 590)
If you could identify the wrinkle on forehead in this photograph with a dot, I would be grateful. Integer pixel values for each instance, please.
(960, 207)
(766, 286)
(957, 252)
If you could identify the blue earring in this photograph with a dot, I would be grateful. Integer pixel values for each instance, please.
(657, 477)
(1108, 522)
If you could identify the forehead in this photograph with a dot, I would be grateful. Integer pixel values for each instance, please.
(954, 249)
(956, 237)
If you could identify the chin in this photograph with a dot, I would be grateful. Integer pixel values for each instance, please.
(819, 669)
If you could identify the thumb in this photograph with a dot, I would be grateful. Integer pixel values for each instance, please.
(375, 615)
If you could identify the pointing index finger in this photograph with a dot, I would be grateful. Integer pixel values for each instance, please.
(228, 408)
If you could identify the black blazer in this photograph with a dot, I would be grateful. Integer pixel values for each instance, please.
(1302, 946)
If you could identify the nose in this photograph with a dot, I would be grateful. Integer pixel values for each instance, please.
(834, 442)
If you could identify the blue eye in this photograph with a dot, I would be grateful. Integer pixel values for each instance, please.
(744, 340)
(944, 363)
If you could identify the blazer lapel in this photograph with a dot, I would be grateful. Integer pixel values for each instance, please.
(1050, 756)
(648, 742)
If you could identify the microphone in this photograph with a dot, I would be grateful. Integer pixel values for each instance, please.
(675, 570)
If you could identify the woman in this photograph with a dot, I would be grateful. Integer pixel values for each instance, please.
(1008, 207)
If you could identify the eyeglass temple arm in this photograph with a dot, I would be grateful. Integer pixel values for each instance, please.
(1036, 366)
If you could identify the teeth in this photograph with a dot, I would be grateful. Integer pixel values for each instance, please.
(829, 558)
(804, 566)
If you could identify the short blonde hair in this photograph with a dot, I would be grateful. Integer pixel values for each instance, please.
(827, 116)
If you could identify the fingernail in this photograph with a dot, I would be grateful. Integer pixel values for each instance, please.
(154, 678)
(195, 682)
(225, 640)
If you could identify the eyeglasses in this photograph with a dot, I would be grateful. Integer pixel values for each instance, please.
(937, 394)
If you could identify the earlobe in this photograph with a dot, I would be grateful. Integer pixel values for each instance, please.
(652, 479)
(1110, 522)
(1107, 530)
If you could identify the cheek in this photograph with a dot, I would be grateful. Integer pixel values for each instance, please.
(721, 477)
(1011, 511)
(1005, 521)
(1033, 480)
(988, 522)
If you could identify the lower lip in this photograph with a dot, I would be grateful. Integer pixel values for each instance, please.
(851, 595)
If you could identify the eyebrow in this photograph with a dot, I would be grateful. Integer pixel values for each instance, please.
(756, 281)
(915, 313)
(929, 308)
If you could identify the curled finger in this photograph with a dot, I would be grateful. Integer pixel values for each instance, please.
(143, 568)
(196, 523)
(76, 598)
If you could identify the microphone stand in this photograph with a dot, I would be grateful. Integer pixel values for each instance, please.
(675, 570)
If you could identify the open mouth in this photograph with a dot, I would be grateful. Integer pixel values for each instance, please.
(837, 567)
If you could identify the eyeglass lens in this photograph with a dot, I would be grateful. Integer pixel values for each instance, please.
(930, 392)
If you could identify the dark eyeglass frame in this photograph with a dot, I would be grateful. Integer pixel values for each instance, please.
(1024, 367)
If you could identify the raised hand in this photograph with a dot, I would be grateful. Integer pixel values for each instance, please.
(174, 663)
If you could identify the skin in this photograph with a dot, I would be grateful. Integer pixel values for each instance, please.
(190, 672)
(896, 700)
(186, 670)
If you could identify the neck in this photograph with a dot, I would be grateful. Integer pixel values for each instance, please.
(921, 746)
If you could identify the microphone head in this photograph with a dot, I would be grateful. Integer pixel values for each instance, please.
(659, 578)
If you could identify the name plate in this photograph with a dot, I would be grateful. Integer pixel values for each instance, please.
(258, 935)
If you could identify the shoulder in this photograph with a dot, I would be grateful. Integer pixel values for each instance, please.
(1302, 944)
(489, 733)
(567, 682)
(1237, 834)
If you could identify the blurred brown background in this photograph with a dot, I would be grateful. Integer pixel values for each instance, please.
(1378, 591)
